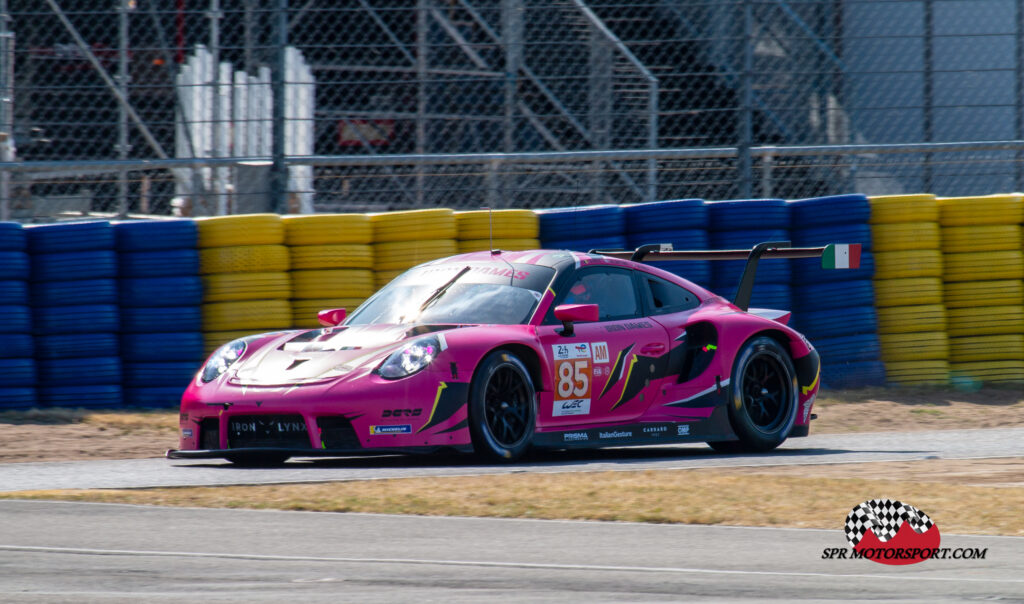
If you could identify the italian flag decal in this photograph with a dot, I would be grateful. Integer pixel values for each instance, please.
(841, 255)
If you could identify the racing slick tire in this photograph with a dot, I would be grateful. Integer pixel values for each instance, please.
(502, 408)
(762, 396)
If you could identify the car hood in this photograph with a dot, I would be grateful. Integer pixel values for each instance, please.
(323, 354)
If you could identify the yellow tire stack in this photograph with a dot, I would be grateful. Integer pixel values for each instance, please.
(510, 230)
(401, 240)
(984, 286)
(331, 261)
(244, 267)
(906, 242)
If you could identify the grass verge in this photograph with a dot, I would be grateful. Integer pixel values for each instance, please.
(733, 496)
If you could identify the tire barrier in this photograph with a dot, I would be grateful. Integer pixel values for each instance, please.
(14, 265)
(14, 293)
(908, 285)
(329, 253)
(246, 280)
(412, 225)
(74, 345)
(697, 271)
(835, 308)
(507, 245)
(12, 237)
(332, 283)
(993, 209)
(657, 215)
(161, 292)
(484, 225)
(228, 287)
(1002, 347)
(748, 214)
(17, 344)
(967, 294)
(155, 235)
(243, 259)
(245, 230)
(903, 236)
(983, 271)
(889, 209)
(331, 256)
(407, 254)
(910, 319)
(182, 262)
(74, 293)
(70, 237)
(913, 291)
(581, 223)
(327, 229)
(918, 373)
(612, 242)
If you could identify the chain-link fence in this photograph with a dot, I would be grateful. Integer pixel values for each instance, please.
(786, 98)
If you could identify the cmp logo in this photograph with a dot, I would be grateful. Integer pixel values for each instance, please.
(888, 531)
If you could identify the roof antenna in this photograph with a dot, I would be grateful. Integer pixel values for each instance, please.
(490, 230)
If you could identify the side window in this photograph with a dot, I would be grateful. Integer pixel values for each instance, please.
(664, 297)
(611, 289)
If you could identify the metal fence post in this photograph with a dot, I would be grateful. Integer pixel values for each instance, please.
(421, 96)
(512, 34)
(744, 164)
(122, 78)
(6, 109)
(929, 89)
(1018, 107)
(279, 171)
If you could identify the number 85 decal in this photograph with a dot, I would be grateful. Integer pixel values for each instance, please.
(573, 379)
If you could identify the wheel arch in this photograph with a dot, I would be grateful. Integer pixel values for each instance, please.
(528, 355)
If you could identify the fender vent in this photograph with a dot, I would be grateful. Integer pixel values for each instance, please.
(336, 432)
(209, 433)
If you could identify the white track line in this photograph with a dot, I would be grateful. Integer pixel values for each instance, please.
(524, 565)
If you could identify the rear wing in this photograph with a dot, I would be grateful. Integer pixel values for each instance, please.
(833, 255)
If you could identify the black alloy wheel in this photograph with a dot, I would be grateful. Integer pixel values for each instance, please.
(762, 401)
(502, 407)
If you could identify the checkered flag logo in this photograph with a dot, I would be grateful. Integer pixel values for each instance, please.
(884, 517)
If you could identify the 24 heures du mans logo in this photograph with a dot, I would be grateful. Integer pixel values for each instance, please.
(889, 531)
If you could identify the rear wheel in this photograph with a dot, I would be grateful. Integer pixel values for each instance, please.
(502, 407)
(762, 397)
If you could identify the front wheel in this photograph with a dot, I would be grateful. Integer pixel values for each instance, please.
(502, 407)
(762, 395)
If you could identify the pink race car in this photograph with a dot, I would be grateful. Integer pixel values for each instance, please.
(496, 352)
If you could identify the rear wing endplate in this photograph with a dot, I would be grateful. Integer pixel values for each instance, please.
(833, 255)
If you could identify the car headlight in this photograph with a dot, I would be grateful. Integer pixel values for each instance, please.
(225, 356)
(411, 358)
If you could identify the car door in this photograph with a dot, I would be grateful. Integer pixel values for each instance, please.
(605, 371)
(694, 345)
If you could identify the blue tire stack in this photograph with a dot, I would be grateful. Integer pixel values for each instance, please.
(741, 224)
(835, 308)
(583, 229)
(681, 222)
(17, 365)
(160, 297)
(74, 295)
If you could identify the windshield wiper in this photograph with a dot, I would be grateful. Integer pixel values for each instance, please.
(441, 290)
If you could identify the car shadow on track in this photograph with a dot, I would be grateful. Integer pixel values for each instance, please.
(616, 457)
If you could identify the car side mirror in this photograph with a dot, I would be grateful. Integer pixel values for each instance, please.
(331, 317)
(568, 313)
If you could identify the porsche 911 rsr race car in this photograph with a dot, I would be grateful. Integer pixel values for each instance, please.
(495, 352)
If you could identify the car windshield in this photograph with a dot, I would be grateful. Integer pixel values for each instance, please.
(488, 293)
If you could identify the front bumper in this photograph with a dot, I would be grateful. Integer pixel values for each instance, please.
(300, 452)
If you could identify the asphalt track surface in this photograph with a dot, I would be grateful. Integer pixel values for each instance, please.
(83, 553)
(817, 449)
